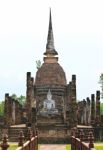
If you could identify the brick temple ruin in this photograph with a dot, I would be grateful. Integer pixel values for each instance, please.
(51, 103)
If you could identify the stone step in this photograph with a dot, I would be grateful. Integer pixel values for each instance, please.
(14, 132)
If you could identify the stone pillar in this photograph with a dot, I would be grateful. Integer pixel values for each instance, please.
(88, 112)
(68, 102)
(64, 109)
(84, 112)
(73, 88)
(8, 110)
(69, 91)
(73, 102)
(18, 109)
(29, 96)
(13, 111)
(20, 113)
(79, 113)
(92, 109)
(98, 107)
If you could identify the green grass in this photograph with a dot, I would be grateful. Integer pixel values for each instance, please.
(68, 147)
(101, 108)
(99, 147)
(12, 147)
(38, 146)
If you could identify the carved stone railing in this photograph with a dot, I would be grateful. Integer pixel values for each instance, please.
(77, 142)
(30, 144)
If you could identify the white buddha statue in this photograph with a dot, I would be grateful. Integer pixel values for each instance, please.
(49, 103)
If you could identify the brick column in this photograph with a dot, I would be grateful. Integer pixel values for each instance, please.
(98, 107)
(29, 96)
(88, 112)
(92, 108)
(84, 112)
(73, 101)
(8, 109)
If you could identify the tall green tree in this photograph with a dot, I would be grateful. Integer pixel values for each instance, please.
(101, 108)
(14, 96)
(1, 108)
(21, 99)
(101, 84)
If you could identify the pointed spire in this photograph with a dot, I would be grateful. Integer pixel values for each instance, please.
(50, 49)
(50, 21)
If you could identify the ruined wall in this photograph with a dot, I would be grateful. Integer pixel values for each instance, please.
(12, 111)
(89, 112)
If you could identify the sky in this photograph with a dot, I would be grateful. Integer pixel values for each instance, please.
(78, 39)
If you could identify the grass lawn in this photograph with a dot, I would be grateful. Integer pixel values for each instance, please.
(68, 147)
(38, 146)
(12, 147)
(99, 147)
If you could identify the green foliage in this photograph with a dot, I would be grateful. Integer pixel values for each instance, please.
(2, 108)
(38, 64)
(14, 96)
(99, 147)
(101, 83)
(13, 146)
(68, 147)
(21, 99)
(101, 108)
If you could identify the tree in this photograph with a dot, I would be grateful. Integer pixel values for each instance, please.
(101, 108)
(38, 64)
(101, 83)
(20, 99)
(14, 96)
(1, 108)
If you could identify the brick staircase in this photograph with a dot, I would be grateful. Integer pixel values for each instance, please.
(14, 131)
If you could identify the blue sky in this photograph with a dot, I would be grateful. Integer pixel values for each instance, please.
(78, 37)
